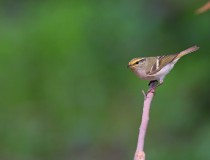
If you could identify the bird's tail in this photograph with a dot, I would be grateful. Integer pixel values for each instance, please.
(187, 51)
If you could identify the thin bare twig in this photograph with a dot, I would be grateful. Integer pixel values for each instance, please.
(140, 154)
(204, 8)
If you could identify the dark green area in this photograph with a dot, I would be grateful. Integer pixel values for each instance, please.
(65, 91)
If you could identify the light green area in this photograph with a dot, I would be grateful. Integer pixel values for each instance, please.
(66, 92)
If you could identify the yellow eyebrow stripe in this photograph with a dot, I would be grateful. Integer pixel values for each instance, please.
(133, 61)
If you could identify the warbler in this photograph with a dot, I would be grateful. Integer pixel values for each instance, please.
(156, 68)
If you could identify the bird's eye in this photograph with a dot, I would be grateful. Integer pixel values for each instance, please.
(141, 60)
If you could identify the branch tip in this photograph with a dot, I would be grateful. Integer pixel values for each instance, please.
(140, 155)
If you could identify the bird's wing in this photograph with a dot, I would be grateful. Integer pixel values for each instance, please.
(160, 63)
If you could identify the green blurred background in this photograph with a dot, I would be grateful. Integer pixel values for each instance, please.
(65, 90)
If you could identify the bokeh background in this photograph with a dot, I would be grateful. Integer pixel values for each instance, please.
(66, 92)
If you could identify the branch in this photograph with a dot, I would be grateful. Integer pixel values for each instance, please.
(204, 8)
(140, 155)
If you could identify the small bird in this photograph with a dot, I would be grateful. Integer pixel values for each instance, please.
(156, 68)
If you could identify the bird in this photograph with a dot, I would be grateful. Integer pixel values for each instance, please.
(154, 69)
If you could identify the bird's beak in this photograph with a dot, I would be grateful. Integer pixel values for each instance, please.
(129, 65)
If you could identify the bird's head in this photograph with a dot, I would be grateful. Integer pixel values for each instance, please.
(137, 63)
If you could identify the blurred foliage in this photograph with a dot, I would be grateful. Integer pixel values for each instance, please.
(65, 91)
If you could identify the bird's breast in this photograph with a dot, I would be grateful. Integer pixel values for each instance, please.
(142, 74)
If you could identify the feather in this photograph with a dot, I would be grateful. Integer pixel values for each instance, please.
(162, 62)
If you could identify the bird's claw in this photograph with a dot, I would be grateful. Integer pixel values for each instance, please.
(153, 84)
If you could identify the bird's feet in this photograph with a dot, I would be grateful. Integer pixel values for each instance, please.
(153, 84)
